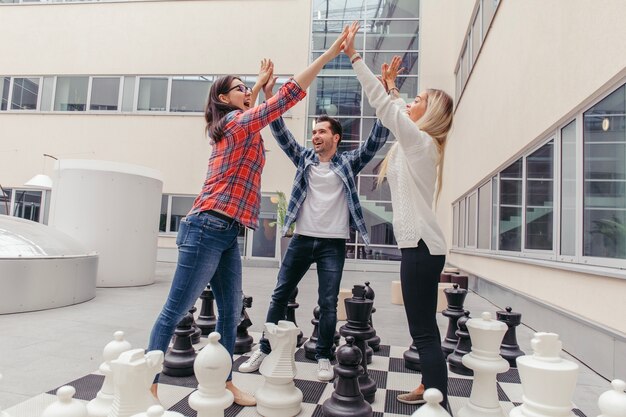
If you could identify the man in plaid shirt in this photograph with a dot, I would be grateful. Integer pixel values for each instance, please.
(325, 201)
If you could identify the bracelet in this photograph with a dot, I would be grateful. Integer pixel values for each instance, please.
(355, 57)
(393, 88)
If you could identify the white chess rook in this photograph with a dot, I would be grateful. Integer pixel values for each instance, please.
(101, 405)
(548, 381)
(158, 411)
(613, 402)
(432, 408)
(65, 405)
(211, 367)
(133, 373)
(279, 396)
(485, 360)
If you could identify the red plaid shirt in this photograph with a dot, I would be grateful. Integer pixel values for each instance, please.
(233, 180)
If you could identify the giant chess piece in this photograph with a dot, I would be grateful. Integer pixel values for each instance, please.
(179, 358)
(455, 297)
(374, 342)
(197, 332)
(346, 399)
(66, 405)
(206, 318)
(509, 349)
(432, 408)
(158, 411)
(212, 367)
(612, 403)
(463, 347)
(243, 343)
(133, 373)
(311, 343)
(101, 405)
(412, 358)
(358, 310)
(486, 362)
(548, 381)
(279, 397)
(291, 313)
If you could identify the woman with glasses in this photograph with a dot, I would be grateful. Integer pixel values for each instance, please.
(413, 166)
(208, 251)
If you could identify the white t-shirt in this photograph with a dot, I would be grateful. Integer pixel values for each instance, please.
(324, 212)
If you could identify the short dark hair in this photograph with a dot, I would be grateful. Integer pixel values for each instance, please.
(335, 126)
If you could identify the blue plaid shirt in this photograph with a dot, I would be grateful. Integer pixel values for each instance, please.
(346, 165)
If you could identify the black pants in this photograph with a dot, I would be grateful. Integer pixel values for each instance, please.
(419, 274)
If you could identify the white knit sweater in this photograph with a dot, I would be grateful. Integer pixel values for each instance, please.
(412, 169)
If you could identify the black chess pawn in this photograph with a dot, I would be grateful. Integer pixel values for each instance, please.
(455, 297)
(206, 318)
(347, 400)
(463, 347)
(412, 358)
(358, 310)
(179, 358)
(509, 349)
(311, 343)
(374, 342)
(243, 343)
(291, 313)
(197, 332)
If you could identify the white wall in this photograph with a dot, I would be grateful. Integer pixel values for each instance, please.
(540, 61)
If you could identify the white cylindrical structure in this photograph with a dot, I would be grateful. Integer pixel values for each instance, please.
(113, 209)
(42, 268)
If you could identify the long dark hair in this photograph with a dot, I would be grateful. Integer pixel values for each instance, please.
(216, 109)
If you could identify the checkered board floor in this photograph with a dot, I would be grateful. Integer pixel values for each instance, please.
(387, 370)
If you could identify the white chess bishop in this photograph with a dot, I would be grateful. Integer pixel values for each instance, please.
(486, 362)
(158, 411)
(133, 373)
(613, 402)
(101, 405)
(65, 405)
(548, 381)
(211, 367)
(279, 396)
(432, 408)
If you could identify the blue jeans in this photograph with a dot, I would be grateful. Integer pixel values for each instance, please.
(329, 255)
(207, 253)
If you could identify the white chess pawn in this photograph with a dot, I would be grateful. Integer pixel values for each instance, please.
(212, 366)
(2, 413)
(432, 408)
(486, 362)
(548, 381)
(101, 405)
(133, 373)
(279, 396)
(65, 405)
(612, 403)
(158, 411)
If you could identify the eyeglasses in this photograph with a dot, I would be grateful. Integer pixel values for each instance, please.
(241, 87)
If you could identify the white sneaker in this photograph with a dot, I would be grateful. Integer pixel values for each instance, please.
(254, 362)
(324, 370)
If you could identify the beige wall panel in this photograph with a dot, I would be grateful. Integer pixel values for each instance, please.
(169, 37)
(592, 297)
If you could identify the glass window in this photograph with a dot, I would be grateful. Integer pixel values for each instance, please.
(488, 10)
(189, 94)
(325, 32)
(476, 36)
(370, 191)
(392, 9)
(47, 91)
(484, 216)
(510, 222)
(128, 96)
(462, 223)
(378, 218)
(27, 204)
(604, 171)
(4, 92)
(336, 96)
(455, 225)
(568, 189)
(71, 94)
(180, 207)
(494, 213)
(539, 198)
(163, 218)
(105, 93)
(391, 35)
(25, 92)
(472, 201)
(374, 59)
(152, 94)
(5, 201)
(264, 237)
(345, 9)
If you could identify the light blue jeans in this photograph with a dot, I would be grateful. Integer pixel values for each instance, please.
(207, 253)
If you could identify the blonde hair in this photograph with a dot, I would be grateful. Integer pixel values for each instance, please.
(436, 122)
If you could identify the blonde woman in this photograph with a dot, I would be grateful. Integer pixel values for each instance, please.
(413, 168)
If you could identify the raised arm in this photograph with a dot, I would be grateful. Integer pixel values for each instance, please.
(366, 152)
(265, 72)
(306, 77)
